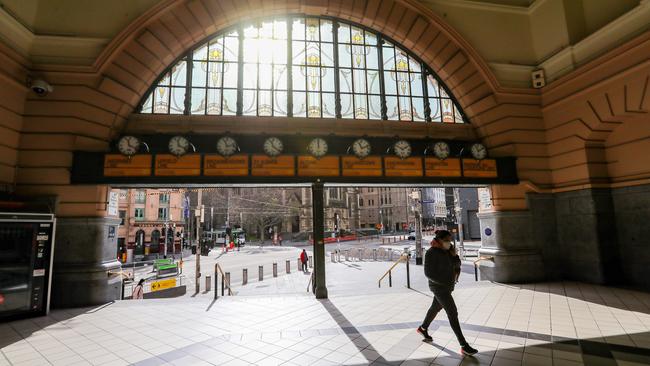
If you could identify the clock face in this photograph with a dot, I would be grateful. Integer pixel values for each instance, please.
(479, 151)
(179, 145)
(361, 148)
(317, 147)
(441, 150)
(128, 145)
(402, 149)
(273, 146)
(227, 146)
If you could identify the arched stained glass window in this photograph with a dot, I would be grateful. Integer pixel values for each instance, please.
(301, 66)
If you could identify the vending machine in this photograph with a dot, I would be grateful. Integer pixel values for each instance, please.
(26, 253)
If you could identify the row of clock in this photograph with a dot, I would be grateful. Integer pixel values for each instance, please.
(317, 147)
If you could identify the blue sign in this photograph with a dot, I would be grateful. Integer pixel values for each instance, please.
(488, 231)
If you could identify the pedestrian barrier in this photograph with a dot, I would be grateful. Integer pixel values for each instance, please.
(476, 262)
(403, 258)
(225, 281)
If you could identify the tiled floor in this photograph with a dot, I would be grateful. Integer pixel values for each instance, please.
(537, 324)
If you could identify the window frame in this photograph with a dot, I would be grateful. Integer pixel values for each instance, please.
(425, 72)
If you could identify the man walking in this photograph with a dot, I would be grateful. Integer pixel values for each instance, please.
(442, 268)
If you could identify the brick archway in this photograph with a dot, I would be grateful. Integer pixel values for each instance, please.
(134, 59)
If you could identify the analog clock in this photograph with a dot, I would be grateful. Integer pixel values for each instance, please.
(227, 146)
(441, 150)
(479, 151)
(361, 148)
(317, 147)
(273, 146)
(179, 145)
(128, 145)
(402, 149)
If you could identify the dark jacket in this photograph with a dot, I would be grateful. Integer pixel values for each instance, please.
(441, 268)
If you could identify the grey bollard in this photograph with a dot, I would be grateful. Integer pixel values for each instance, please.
(288, 266)
(333, 257)
(228, 280)
(261, 269)
(244, 277)
(311, 262)
(347, 255)
(360, 255)
(299, 264)
(208, 283)
(374, 254)
(275, 270)
(390, 255)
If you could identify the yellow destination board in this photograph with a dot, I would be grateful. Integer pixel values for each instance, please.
(409, 167)
(172, 166)
(434, 167)
(368, 167)
(265, 166)
(117, 165)
(217, 165)
(163, 284)
(480, 168)
(327, 166)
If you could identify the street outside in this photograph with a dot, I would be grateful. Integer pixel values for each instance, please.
(251, 257)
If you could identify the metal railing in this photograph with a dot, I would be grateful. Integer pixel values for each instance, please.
(225, 281)
(476, 265)
(403, 258)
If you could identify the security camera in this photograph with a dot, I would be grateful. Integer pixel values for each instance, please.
(40, 87)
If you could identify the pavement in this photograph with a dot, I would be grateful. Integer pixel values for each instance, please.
(278, 322)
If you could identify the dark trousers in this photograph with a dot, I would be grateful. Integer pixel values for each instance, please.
(304, 266)
(443, 300)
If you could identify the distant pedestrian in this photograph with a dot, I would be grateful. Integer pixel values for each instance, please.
(303, 260)
(442, 268)
(138, 291)
(280, 239)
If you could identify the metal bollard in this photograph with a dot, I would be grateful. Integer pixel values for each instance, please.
(347, 255)
(228, 281)
(288, 266)
(261, 275)
(299, 264)
(311, 262)
(382, 240)
(374, 254)
(244, 276)
(275, 270)
(208, 283)
(360, 255)
(333, 257)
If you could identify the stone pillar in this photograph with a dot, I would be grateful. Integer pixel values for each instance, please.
(506, 236)
(84, 255)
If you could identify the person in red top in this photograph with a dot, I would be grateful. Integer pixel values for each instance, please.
(303, 259)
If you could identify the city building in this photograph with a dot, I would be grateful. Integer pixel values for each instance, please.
(147, 216)
(390, 208)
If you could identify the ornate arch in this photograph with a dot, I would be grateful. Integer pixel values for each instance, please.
(135, 58)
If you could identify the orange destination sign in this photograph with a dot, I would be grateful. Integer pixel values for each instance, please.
(480, 168)
(367, 167)
(264, 166)
(117, 165)
(434, 167)
(409, 167)
(172, 166)
(327, 166)
(217, 165)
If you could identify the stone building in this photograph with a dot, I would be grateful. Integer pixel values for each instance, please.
(391, 207)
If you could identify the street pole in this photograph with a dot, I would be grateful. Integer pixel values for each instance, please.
(318, 214)
(197, 285)
(459, 220)
(418, 230)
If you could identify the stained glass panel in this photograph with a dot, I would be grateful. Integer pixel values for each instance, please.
(214, 101)
(315, 88)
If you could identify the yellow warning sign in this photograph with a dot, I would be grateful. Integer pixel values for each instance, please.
(163, 284)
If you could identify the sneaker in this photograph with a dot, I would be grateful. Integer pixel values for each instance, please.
(467, 350)
(424, 334)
